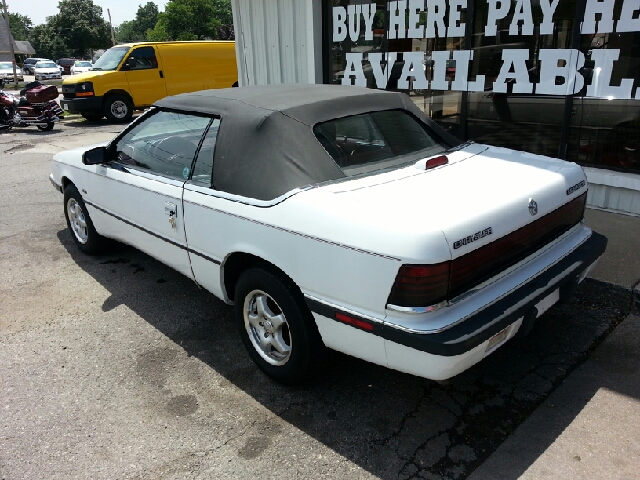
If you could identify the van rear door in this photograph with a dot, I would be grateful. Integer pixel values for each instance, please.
(145, 76)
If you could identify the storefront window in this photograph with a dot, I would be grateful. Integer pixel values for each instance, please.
(532, 75)
(605, 128)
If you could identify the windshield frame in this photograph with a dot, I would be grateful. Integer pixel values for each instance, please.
(106, 61)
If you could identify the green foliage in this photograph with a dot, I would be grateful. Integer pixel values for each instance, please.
(136, 30)
(80, 24)
(159, 33)
(47, 43)
(20, 26)
(192, 20)
(146, 17)
(127, 32)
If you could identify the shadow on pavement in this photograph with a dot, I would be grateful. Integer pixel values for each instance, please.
(391, 424)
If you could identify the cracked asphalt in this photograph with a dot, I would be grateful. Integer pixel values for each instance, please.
(119, 367)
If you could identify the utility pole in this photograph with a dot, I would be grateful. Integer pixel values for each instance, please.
(11, 49)
(113, 35)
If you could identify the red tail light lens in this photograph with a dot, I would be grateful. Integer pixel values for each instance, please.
(421, 285)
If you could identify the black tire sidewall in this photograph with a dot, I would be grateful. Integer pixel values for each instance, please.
(305, 340)
(95, 243)
(107, 108)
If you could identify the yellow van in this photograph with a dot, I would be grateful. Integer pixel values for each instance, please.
(133, 76)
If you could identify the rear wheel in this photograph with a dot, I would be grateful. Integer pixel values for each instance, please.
(118, 108)
(84, 234)
(276, 326)
(45, 128)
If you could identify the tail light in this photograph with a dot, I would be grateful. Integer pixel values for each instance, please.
(421, 285)
(436, 162)
(427, 285)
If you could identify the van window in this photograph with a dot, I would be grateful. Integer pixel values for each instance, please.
(111, 58)
(145, 58)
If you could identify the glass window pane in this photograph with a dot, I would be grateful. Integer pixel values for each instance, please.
(164, 143)
(372, 141)
(204, 164)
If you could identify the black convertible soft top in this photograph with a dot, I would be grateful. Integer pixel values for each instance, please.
(265, 145)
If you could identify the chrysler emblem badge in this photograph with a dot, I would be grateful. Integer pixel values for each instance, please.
(533, 207)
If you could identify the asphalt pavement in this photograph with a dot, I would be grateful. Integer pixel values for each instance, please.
(119, 367)
(589, 427)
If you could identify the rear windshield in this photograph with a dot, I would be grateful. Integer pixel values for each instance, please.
(376, 140)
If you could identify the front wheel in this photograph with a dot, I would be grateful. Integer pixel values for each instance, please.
(79, 222)
(45, 128)
(276, 326)
(118, 108)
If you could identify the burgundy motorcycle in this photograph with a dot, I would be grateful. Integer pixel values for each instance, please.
(36, 106)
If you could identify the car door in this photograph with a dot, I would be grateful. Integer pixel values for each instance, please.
(206, 223)
(145, 76)
(139, 193)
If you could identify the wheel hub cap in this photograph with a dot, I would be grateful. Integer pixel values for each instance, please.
(267, 327)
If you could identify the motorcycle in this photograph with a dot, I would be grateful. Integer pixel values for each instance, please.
(36, 106)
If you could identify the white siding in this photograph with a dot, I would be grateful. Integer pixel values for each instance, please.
(278, 41)
(619, 192)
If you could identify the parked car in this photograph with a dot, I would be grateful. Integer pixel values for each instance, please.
(65, 65)
(338, 216)
(6, 72)
(129, 77)
(46, 70)
(29, 64)
(81, 66)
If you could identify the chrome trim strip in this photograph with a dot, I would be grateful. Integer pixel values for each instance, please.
(418, 310)
(293, 232)
(211, 192)
(55, 184)
(347, 310)
(464, 295)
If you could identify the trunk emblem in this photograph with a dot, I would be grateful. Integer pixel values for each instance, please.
(533, 207)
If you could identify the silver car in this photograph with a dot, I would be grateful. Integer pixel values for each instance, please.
(46, 70)
(6, 72)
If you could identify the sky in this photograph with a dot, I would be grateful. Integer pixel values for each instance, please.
(39, 10)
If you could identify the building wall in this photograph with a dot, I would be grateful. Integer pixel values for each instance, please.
(278, 41)
(281, 41)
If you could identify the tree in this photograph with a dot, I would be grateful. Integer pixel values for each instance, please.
(81, 24)
(46, 41)
(136, 30)
(159, 33)
(193, 19)
(127, 32)
(20, 26)
(222, 11)
(146, 17)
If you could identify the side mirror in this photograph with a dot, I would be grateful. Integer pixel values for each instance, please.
(95, 156)
(129, 63)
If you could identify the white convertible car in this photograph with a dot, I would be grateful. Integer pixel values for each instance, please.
(338, 216)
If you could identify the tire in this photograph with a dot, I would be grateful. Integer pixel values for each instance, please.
(284, 343)
(94, 117)
(79, 223)
(45, 128)
(118, 108)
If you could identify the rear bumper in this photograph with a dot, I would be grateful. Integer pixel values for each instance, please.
(446, 353)
(82, 105)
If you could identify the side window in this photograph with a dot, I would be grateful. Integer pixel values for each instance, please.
(204, 163)
(142, 58)
(165, 143)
